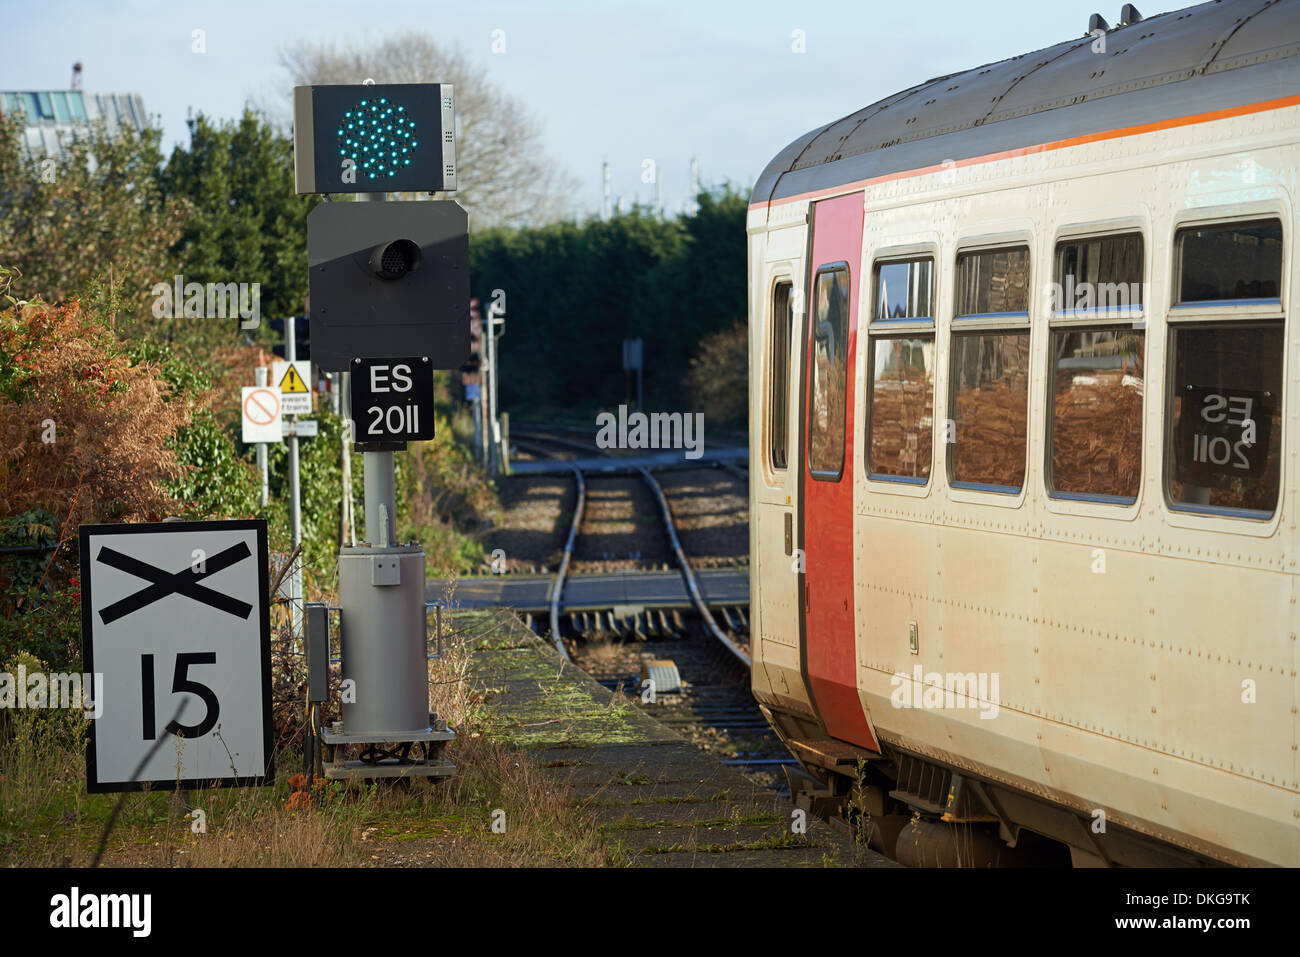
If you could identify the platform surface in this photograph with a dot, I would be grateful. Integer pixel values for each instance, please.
(656, 799)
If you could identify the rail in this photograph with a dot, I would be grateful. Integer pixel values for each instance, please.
(688, 573)
(557, 586)
(692, 584)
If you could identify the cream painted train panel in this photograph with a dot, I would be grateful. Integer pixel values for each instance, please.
(1146, 658)
(774, 623)
(1057, 627)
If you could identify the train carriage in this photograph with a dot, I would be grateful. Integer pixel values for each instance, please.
(1023, 451)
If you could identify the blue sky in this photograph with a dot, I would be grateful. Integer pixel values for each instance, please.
(616, 81)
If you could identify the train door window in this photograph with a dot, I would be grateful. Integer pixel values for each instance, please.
(987, 438)
(828, 370)
(778, 412)
(1223, 450)
(1095, 446)
(901, 359)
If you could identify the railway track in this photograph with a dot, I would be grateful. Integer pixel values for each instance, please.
(700, 664)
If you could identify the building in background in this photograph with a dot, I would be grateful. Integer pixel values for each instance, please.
(53, 116)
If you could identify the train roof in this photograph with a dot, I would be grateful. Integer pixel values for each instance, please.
(1215, 56)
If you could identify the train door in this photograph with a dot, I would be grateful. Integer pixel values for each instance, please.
(775, 463)
(826, 525)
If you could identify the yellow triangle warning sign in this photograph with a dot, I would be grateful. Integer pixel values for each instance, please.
(292, 382)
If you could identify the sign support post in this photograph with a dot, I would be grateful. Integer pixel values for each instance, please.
(495, 320)
(341, 381)
(295, 501)
(259, 377)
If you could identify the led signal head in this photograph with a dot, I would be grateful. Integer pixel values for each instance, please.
(378, 137)
(393, 137)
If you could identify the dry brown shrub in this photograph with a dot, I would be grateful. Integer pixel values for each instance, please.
(108, 459)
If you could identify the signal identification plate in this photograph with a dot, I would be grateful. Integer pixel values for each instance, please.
(392, 400)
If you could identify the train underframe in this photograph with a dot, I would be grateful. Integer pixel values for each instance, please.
(922, 812)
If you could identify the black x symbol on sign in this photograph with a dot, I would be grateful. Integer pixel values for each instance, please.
(184, 582)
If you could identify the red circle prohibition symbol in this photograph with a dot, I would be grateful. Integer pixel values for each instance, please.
(261, 407)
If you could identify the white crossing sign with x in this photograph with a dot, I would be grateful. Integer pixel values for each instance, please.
(175, 617)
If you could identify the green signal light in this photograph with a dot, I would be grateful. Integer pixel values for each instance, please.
(375, 139)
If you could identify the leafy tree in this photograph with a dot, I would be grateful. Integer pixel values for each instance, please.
(700, 290)
(575, 291)
(569, 303)
(92, 221)
(248, 224)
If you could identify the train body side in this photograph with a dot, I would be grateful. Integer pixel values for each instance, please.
(1138, 663)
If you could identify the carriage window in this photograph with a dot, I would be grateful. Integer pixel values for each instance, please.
(990, 407)
(902, 407)
(1098, 275)
(1225, 417)
(904, 290)
(1096, 445)
(778, 409)
(993, 282)
(1230, 262)
(828, 362)
(901, 418)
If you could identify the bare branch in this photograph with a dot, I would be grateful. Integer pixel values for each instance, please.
(504, 177)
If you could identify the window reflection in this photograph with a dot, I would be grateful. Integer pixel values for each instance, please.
(993, 281)
(1237, 261)
(778, 410)
(1098, 274)
(902, 406)
(1225, 422)
(828, 368)
(1096, 447)
(990, 375)
(904, 289)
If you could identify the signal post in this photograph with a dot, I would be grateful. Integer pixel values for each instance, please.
(389, 287)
